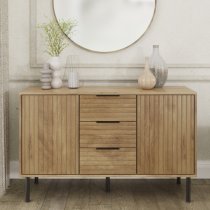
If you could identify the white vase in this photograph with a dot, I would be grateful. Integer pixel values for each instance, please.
(46, 77)
(147, 80)
(55, 63)
(56, 81)
(73, 81)
(55, 66)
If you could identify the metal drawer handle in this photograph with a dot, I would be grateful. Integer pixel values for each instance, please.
(107, 121)
(107, 95)
(107, 148)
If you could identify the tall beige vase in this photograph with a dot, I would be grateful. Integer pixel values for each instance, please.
(147, 80)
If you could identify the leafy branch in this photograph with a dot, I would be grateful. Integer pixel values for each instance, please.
(54, 34)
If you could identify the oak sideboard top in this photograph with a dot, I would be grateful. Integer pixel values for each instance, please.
(100, 90)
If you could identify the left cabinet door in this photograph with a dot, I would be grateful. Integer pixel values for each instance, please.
(49, 142)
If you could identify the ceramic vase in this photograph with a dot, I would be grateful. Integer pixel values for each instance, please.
(72, 62)
(55, 66)
(158, 67)
(147, 80)
(46, 77)
(56, 81)
(73, 80)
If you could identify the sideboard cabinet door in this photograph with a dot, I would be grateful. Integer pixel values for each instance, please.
(49, 134)
(166, 135)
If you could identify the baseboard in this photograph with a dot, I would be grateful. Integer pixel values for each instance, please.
(203, 168)
(14, 170)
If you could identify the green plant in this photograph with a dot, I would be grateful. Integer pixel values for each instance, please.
(54, 34)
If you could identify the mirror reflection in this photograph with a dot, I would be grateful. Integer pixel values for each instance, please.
(106, 25)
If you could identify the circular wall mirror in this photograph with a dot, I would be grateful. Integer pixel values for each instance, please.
(106, 25)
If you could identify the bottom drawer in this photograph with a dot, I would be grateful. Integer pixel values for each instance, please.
(110, 161)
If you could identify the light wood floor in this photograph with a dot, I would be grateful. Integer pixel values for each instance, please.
(90, 194)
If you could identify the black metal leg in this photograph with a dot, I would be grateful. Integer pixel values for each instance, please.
(107, 184)
(36, 180)
(27, 189)
(178, 180)
(188, 189)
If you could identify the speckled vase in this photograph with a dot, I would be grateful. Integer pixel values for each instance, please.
(158, 67)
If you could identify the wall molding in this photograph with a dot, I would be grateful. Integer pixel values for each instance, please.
(33, 50)
(203, 168)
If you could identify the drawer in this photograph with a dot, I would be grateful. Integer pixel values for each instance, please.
(108, 161)
(108, 108)
(111, 134)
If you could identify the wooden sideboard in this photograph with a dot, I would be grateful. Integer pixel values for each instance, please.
(108, 132)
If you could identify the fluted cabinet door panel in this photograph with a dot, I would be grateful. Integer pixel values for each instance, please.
(166, 134)
(49, 134)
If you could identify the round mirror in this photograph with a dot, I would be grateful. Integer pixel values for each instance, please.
(106, 25)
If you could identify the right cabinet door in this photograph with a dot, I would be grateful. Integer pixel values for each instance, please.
(166, 134)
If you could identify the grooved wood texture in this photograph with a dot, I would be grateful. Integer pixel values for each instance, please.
(119, 135)
(108, 108)
(122, 161)
(108, 134)
(166, 134)
(49, 128)
(122, 134)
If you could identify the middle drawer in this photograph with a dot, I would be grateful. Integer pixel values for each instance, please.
(107, 134)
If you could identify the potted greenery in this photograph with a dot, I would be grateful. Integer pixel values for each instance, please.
(55, 38)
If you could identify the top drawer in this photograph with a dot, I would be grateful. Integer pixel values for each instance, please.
(108, 108)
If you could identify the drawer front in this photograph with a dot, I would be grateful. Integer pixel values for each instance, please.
(101, 134)
(108, 108)
(111, 161)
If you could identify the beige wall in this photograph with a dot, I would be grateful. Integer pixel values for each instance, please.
(181, 28)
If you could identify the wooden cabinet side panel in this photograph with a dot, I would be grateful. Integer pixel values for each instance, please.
(49, 135)
(166, 135)
(25, 135)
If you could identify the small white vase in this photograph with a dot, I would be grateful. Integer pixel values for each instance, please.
(73, 81)
(55, 66)
(56, 81)
(147, 80)
(46, 77)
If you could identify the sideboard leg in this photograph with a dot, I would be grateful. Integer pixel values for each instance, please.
(27, 189)
(188, 189)
(107, 184)
(36, 180)
(178, 180)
